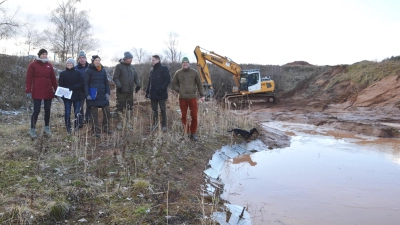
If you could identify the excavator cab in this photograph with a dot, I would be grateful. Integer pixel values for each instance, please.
(250, 80)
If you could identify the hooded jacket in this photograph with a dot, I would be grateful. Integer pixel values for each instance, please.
(187, 82)
(72, 79)
(41, 80)
(125, 76)
(97, 79)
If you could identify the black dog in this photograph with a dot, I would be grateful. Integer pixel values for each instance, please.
(244, 133)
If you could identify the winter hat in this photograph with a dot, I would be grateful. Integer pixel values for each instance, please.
(185, 59)
(128, 55)
(81, 54)
(71, 60)
(95, 57)
(41, 51)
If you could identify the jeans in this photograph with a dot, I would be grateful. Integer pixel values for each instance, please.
(154, 107)
(184, 104)
(84, 113)
(37, 103)
(67, 114)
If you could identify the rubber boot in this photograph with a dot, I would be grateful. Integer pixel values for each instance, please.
(128, 119)
(32, 133)
(120, 124)
(47, 130)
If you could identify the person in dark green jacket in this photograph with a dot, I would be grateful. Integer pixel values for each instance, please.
(187, 83)
(127, 81)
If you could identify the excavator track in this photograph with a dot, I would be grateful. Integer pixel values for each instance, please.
(239, 101)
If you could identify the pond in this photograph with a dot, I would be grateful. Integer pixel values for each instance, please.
(324, 177)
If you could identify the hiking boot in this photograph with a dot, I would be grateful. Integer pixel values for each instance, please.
(47, 130)
(32, 133)
(164, 129)
(106, 130)
(194, 137)
(119, 125)
(154, 127)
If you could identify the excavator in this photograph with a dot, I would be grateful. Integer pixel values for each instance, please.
(250, 86)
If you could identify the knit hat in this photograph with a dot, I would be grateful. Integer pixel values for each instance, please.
(41, 51)
(128, 55)
(70, 60)
(95, 57)
(185, 59)
(81, 54)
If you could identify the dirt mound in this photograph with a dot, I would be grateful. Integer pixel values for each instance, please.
(298, 63)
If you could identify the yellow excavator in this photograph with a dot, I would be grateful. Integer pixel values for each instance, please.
(250, 86)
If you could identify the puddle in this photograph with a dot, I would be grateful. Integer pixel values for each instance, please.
(324, 177)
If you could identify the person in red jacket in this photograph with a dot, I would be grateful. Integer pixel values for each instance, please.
(41, 85)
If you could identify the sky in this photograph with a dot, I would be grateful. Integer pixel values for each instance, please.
(267, 32)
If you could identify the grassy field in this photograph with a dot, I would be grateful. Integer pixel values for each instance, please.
(133, 176)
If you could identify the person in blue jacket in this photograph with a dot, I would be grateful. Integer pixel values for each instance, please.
(81, 66)
(73, 80)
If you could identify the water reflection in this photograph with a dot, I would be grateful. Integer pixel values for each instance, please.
(244, 159)
(319, 179)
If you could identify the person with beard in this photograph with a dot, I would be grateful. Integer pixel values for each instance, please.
(97, 91)
(73, 80)
(41, 84)
(126, 81)
(187, 83)
(81, 66)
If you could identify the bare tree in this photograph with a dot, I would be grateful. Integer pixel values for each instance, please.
(71, 31)
(172, 53)
(139, 54)
(8, 23)
(31, 38)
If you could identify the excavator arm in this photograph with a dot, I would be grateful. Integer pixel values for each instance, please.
(223, 62)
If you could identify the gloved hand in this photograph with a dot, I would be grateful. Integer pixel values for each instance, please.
(29, 95)
(147, 95)
(88, 97)
(137, 89)
(107, 97)
(119, 90)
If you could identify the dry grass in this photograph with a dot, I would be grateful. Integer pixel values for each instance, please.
(133, 176)
(365, 73)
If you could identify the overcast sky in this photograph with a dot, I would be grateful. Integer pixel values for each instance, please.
(251, 31)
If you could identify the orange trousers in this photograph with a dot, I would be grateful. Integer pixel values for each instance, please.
(184, 104)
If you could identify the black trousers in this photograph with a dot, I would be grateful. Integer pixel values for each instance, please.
(163, 108)
(37, 103)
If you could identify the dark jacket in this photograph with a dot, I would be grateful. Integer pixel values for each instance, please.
(41, 80)
(97, 79)
(125, 76)
(72, 79)
(159, 80)
(82, 70)
(187, 83)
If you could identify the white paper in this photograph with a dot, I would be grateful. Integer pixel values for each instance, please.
(63, 92)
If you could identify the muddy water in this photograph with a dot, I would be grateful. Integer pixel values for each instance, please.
(324, 177)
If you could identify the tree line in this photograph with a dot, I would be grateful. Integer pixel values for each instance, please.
(69, 32)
